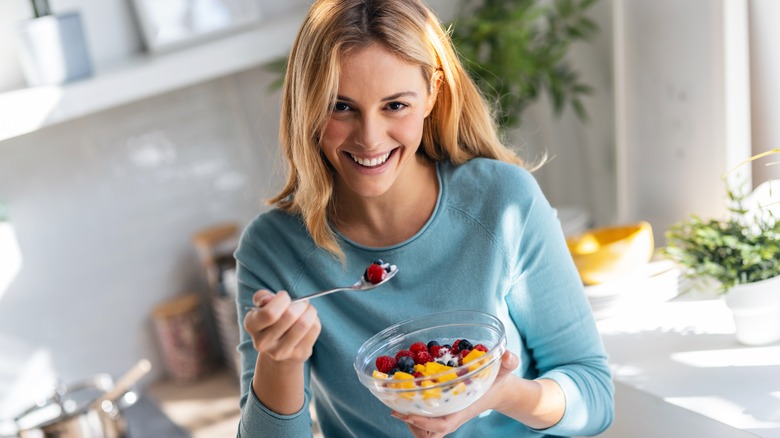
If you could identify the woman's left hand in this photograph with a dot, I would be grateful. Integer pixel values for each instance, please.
(437, 427)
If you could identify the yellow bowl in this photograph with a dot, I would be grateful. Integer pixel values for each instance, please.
(603, 254)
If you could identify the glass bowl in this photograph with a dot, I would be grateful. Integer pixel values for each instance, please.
(441, 390)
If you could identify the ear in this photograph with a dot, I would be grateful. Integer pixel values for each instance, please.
(433, 93)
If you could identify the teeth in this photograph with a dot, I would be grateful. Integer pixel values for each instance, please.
(373, 162)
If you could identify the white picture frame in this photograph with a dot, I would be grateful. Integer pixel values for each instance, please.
(171, 24)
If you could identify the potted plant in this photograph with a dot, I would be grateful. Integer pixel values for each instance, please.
(740, 254)
(516, 50)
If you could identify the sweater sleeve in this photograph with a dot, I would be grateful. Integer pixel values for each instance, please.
(548, 304)
(256, 419)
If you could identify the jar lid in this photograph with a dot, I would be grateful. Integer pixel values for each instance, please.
(176, 306)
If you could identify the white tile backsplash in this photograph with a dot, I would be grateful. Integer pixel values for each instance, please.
(104, 208)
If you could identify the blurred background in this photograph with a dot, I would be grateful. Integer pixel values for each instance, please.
(106, 178)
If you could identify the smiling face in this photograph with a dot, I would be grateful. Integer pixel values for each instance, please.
(375, 127)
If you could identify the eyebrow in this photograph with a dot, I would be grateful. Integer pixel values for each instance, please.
(384, 99)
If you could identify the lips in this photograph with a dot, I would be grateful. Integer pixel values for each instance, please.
(371, 162)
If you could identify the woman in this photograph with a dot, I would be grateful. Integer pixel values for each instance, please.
(393, 155)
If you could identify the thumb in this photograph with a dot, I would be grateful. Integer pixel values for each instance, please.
(509, 362)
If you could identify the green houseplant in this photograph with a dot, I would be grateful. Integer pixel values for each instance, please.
(741, 254)
(516, 51)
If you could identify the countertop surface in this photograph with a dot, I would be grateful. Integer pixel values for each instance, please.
(680, 359)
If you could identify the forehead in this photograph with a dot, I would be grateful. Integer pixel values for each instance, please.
(375, 69)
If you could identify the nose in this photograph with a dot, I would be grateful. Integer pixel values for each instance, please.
(369, 131)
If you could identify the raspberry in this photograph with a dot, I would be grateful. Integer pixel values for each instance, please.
(481, 347)
(418, 347)
(375, 274)
(455, 347)
(422, 357)
(436, 351)
(417, 374)
(403, 353)
(461, 355)
(385, 364)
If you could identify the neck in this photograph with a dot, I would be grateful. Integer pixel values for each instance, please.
(393, 217)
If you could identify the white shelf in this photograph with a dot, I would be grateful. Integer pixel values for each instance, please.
(28, 110)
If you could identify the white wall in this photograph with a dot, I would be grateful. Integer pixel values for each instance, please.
(765, 87)
(675, 92)
(581, 171)
(104, 208)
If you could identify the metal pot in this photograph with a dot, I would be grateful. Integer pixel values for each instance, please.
(72, 413)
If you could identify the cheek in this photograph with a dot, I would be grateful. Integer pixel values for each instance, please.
(408, 130)
(334, 135)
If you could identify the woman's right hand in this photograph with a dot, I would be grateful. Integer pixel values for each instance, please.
(283, 333)
(281, 330)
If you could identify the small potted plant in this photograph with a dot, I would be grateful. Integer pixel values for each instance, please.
(740, 254)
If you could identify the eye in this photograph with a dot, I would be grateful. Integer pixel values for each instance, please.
(396, 106)
(341, 107)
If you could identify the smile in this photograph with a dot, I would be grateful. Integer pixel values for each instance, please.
(371, 162)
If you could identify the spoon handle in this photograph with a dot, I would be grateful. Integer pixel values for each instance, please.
(314, 295)
(323, 292)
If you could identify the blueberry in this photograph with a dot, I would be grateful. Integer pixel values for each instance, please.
(448, 346)
(465, 345)
(378, 262)
(432, 344)
(393, 371)
(452, 363)
(406, 364)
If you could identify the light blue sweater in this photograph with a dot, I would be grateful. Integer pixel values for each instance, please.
(493, 244)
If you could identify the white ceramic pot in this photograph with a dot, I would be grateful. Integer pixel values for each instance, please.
(756, 309)
(53, 49)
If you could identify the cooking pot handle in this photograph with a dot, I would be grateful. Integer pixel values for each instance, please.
(124, 383)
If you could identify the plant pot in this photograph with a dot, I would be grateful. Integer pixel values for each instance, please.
(756, 310)
(52, 49)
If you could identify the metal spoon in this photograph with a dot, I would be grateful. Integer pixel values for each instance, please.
(361, 285)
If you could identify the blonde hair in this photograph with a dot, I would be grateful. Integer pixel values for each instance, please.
(459, 128)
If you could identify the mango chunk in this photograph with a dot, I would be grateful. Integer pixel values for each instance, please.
(404, 380)
(473, 355)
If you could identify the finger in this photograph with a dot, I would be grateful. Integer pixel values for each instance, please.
(261, 297)
(273, 335)
(299, 335)
(509, 362)
(272, 309)
(433, 426)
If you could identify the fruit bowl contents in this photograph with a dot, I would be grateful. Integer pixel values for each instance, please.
(433, 365)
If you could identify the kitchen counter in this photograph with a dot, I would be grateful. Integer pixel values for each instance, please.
(679, 372)
(206, 408)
